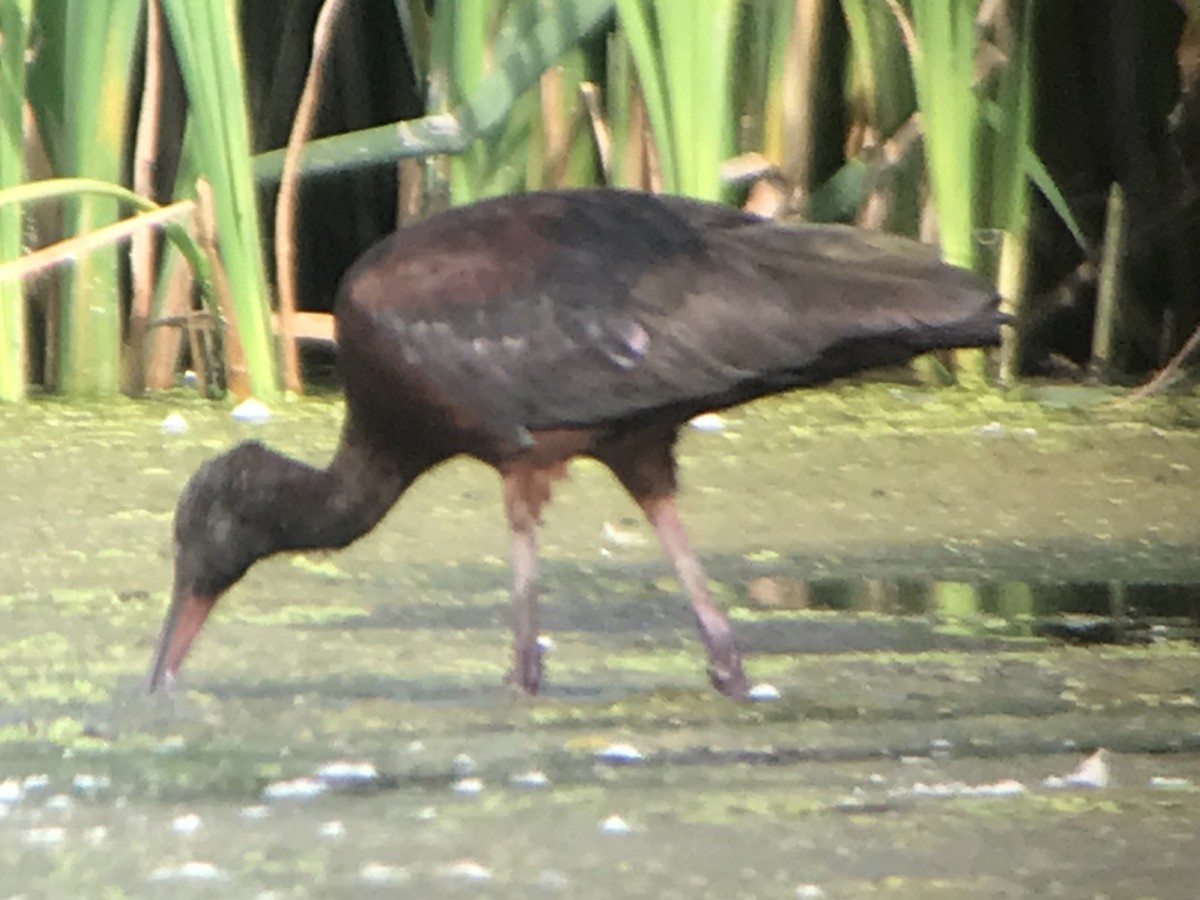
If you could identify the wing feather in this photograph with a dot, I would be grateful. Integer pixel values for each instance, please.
(590, 306)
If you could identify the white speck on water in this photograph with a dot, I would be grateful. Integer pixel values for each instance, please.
(187, 824)
(614, 824)
(334, 829)
(37, 782)
(709, 422)
(425, 814)
(764, 691)
(553, 880)
(96, 835)
(532, 778)
(45, 837)
(619, 753)
(467, 786)
(1164, 782)
(251, 410)
(618, 538)
(416, 746)
(462, 764)
(175, 423)
(545, 643)
(294, 789)
(810, 891)
(172, 744)
(83, 783)
(876, 778)
(257, 811)
(189, 871)
(379, 873)
(993, 429)
(58, 802)
(10, 790)
(468, 870)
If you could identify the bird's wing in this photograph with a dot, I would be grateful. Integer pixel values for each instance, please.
(567, 309)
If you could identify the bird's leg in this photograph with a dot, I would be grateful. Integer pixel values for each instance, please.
(526, 490)
(526, 673)
(724, 660)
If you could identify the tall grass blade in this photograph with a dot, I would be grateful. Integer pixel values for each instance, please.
(207, 43)
(98, 37)
(559, 27)
(14, 26)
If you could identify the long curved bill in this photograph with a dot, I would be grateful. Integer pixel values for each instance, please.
(184, 620)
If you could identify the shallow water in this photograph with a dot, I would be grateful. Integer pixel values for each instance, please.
(893, 560)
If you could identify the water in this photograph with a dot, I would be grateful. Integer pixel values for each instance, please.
(955, 601)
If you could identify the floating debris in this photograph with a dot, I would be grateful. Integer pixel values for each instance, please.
(96, 835)
(188, 824)
(175, 423)
(467, 786)
(614, 824)
(810, 891)
(334, 829)
(993, 429)
(295, 789)
(257, 811)
(45, 837)
(619, 753)
(1091, 773)
(1163, 782)
(379, 873)
(36, 782)
(468, 869)
(940, 747)
(532, 778)
(545, 643)
(251, 410)
(425, 814)
(764, 691)
(621, 538)
(348, 774)
(191, 871)
(709, 422)
(1006, 787)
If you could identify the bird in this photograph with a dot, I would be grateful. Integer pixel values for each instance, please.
(531, 329)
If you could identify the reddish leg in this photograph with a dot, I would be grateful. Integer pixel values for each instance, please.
(724, 660)
(526, 673)
(526, 490)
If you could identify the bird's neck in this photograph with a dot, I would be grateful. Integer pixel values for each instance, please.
(332, 507)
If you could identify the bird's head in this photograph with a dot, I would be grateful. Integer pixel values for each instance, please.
(216, 540)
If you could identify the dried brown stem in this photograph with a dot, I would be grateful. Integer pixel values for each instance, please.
(289, 183)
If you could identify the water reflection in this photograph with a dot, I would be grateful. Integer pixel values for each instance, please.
(1083, 612)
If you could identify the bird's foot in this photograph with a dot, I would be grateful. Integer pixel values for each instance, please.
(526, 673)
(729, 679)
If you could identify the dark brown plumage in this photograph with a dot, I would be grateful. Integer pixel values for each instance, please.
(528, 330)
